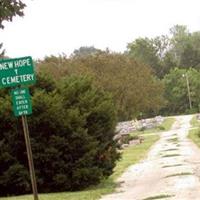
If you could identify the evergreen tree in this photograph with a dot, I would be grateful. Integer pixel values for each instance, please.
(71, 129)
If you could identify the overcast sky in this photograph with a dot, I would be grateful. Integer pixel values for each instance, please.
(52, 27)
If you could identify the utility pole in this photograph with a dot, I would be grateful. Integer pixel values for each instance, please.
(188, 89)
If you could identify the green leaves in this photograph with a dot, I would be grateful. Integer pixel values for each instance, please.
(9, 9)
(71, 129)
(176, 91)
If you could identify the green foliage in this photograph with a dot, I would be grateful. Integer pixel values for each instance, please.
(176, 92)
(185, 47)
(72, 129)
(9, 9)
(181, 49)
(127, 138)
(132, 85)
(96, 113)
(144, 50)
(106, 186)
(54, 67)
(161, 128)
(194, 122)
(44, 82)
(194, 135)
(152, 52)
(85, 51)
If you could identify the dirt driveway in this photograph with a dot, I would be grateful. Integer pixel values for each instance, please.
(171, 169)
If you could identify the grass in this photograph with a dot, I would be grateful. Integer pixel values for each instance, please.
(179, 174)
(168, 122)
(139, 152)
(165, 126)
(194, 134)
(162, 196)
(173, 149)
(175, 139)
(194, 122)
(131, 155)
(175, 165)
(171, 155)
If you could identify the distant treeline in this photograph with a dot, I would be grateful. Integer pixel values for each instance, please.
(132, 85)
(142, 79)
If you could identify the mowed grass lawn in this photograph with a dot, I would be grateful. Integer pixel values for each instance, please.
(130, 155)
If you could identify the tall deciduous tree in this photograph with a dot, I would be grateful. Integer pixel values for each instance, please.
(144, 51)
(185, 47)
(131, 83)
(150, 52)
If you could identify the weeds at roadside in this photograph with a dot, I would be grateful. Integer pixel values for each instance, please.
(176, 165)
(162, 196)
(175, 139)
(173, 149)
(170, 155)
(179, 174)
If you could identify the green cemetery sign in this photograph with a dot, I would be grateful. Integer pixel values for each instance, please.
(18, 71)
(21, 101)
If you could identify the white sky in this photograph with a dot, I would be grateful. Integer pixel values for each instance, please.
(52, 27)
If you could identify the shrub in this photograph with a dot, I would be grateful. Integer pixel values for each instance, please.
(127, 138)
(162, 128)
(71, 130)
(143, 128)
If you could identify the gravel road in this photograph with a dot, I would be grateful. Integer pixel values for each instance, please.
(172, 168)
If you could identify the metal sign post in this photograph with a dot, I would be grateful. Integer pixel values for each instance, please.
(13, 73)
(22, 106)
(30, 157)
